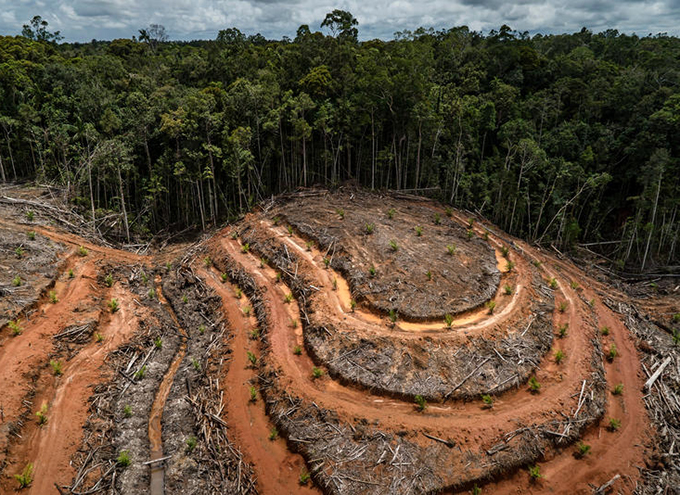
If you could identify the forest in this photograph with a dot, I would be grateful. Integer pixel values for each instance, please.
(565, 140)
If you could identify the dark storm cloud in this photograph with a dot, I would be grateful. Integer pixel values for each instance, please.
(82, 20)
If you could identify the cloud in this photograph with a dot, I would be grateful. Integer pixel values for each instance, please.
(82, 20)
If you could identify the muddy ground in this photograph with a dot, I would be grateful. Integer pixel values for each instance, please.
(267, 358)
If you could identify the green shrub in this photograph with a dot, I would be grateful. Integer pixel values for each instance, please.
(309, 245)
(123, 458)
(224, 277)
(370, 228)
(352, 305)
(127, 411)
(19, 251)
(30, 216)
(191, 442)
(52, 295)
(604, 330)
(437, 219)
(245, 248)
(15, 326)
(534, 385)
(168, 266)
(290, 231)
(82, 251)
(341, 213)
(16, 281)
(448, 211)
(535, 473)
(25, 478)
(488, 401)
(140, 373)
(70, 273)
(618, 389)
(273, 434)
(372, 271)
(276, 220)
(98, 337)
(297, 350)
(317, 372)
(510, 266)
(582, 450)
(293, 323)
(421, 403)
(470, 234)
(158, 342)
(562, 307)
(451, 249)
(574, 285)
(31, 235)
(394, 245)
(326, 262)
(234, 234)
(254, 334)
(56, 367)
(238, 293)
(562, 330)
(612, 353)
(553, 283)
(614, 424)
(42, 415)
(253, 394)
(428, 274)
(419, 231)
(246, 310)
(288, 298)
(508, 290)
(505, 251)
(448, 320)
(304, 476)
(108, 280)
(491, 305)
(390, 213)
(392, 316)
(113, 305)
(207, 262)
(559, 356)
(252, 358)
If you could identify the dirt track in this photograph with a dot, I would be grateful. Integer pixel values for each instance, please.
(324, 305)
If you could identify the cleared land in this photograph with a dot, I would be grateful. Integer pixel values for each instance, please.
(371, 343)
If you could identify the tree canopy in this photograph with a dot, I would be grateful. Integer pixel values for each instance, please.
(560, 139)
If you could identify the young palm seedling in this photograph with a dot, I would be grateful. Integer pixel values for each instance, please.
(390, 213)
(508, 290)
(341, 213)
(562, 330)
(108, 280)
(394, 245)
(535, 473)
(437, 219)
(510, 266)
(288, 298)
(317, 372)
(123, 458)
(245, 248)
(372, 271)
(297, 350)
(252, 358)
(604, 330)
(534, 385)
(30, 216)
(618, 389)
(421, 403)
(562, 307)
(56, 367)
(326, 262)
(614, 424)
(553, 283)
(127, 411)
(140, 373)
(25, 478)
(158, 343)
(224, 277)
(612, 353)
(82, 251)
(19, 251)
(304, 476)
(70, 273)
(448, 320)
(16, 281)
(559, 356)
(191, 443)
(451, 249)
(52, 295)
(113, 305)
(31, 235)
(392, 316)
(42, 415)
(370, 228)
(488, 401)
(419, 231)
(15, 327)
(491, 305)
(253, 394)
(273, 434)
(582, 450)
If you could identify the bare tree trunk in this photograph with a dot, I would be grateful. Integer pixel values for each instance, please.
(122, 202)
(651, 230)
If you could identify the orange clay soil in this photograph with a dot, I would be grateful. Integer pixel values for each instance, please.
(277, 469)
(29, 381)
(619, 452)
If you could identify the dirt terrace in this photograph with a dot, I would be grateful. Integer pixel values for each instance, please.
(406, 243)
(255, 359)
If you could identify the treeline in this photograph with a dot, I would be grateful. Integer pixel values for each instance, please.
(559, 139)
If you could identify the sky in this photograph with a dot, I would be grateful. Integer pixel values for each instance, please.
(84, 20)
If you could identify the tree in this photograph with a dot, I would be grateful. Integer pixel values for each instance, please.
(342, 25)
(37, 30)
(153, 36)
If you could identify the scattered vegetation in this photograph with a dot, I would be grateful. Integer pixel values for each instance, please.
(158, 343)
(252, 358)
(52, 296)
(618, 389)
(612, 353)
(19, 251)
(534, 385)
(562, 307)
(491, 305)
(535, 473)
(25, 478)
(370, 228)
(508, 290)
(553, 283)
(273, 434)
(127, 411)
(15, 327)
(207, 261)
(614, 424)
(191, 443)
(140, 373)
(245, 248)
(419, 232)
(421, 403)
(451, 249)
(394, 245)
(108, 280)
(123, 458)
(448, 320)
(56, 367)
(297, 350)
(488, 401)
(113, 305)
(42, 415)
(562, 330)
(604, 330)
(559, 356)
(390, 213)
(317, 372)
(253, 394)
(304, 476)
(16, 281)
(582, 450)
(82, 251)
(31, 235)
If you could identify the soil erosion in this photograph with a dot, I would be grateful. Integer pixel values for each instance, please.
(338, 343)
